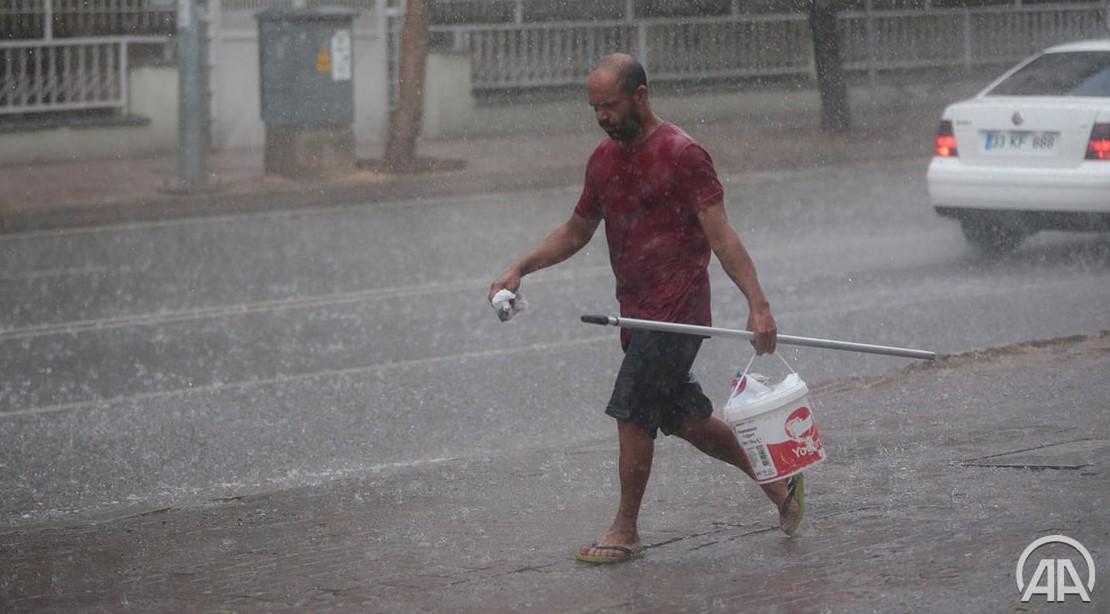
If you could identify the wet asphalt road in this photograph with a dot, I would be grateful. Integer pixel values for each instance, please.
(179, 362)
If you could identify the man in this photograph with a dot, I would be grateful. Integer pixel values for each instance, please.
(664, 212)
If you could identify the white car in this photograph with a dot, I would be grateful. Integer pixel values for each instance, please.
(1031, 151)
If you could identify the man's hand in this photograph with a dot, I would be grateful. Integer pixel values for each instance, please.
(509, 280)
(762, 323)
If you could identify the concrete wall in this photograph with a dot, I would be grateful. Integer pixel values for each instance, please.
(153, 96)
(448, 103)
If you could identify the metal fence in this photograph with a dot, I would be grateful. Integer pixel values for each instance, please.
(73, 54)
(257, 5)
(65, 74)
(767, 45)
(66, 55)
(523, 55)
(46, 19)
(966, 37)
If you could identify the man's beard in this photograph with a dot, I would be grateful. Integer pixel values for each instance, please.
(627, 130)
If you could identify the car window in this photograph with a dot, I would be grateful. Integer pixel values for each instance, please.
(1081, 73)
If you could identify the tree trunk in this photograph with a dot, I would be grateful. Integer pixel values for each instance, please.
(404, 128)
(835, 113)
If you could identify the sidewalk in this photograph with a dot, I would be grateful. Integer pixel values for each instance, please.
(53, 195)
(899, 519)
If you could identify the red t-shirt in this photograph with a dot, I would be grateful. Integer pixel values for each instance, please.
(649, 195)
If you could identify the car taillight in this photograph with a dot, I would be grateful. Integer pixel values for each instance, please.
(1098, 148)
(946, 140)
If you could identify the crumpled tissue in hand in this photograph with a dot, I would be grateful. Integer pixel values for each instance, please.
(507, 304)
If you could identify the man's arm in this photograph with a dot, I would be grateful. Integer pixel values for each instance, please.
(739, 266)
(561, 244)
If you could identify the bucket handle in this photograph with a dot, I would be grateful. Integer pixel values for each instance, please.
(748, 366)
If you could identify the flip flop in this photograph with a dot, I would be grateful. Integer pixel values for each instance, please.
(626, 554)
(796, 489)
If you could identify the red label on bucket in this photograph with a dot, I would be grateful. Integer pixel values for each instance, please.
(800, 426)
(781, 442)
(802, 446)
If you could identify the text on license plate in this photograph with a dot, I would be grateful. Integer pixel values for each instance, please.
(1022, 141)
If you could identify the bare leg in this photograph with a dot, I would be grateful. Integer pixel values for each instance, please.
(716, 438)
(637, 449)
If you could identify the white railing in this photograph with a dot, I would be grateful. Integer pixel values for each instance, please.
(766, 45)
(542, 54)
(966, 37)
(65, 55)
(65, 74)
(523, 55)
(258, 5)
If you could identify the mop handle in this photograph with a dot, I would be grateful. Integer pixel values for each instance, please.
(710, 331)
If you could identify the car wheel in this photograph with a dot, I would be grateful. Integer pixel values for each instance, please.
(992, 236)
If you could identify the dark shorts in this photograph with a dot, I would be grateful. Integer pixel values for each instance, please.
(655, 388)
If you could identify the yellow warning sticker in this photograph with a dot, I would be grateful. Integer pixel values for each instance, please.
(323, 60)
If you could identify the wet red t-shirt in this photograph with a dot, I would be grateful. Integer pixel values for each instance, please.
(649, 195)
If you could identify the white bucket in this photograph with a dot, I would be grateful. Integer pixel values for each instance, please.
(775, 426)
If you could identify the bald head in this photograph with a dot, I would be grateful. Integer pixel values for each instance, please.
(617, 90)
(624, 68)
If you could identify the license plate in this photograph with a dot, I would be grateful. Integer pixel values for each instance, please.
(1020, 141)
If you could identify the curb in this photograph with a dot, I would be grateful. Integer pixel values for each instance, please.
(305, 196)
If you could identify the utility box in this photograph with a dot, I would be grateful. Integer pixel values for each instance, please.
(306, 63)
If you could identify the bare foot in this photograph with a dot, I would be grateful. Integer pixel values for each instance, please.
(792, 508)
(788, 516)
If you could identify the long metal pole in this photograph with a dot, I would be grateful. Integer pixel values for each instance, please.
(711, 331)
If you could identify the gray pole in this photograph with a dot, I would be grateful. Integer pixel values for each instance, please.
(48, 20)
(872, 98)
(710, 331)
(192, 96)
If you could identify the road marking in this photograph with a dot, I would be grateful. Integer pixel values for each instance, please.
(300, 302)
(824, 308)
(85, 270)
(74, 327)
(400, 364)
(895, 299)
